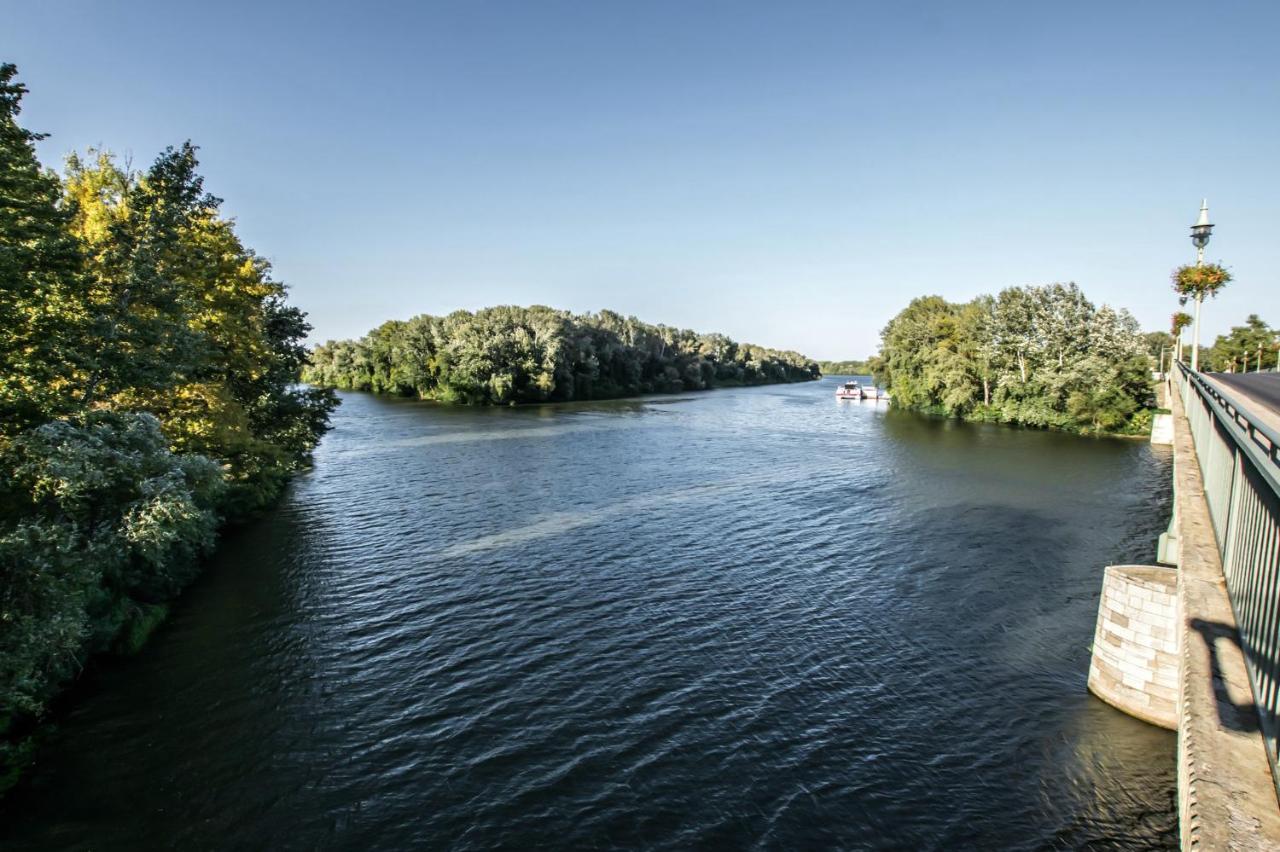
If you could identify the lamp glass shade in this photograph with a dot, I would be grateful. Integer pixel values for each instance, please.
(1200, 234)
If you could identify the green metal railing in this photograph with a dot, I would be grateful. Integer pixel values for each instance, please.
(1240, 462)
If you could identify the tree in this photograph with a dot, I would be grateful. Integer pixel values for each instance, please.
(1015, 335)
(1039, 356)
(509, 355)
(975, 325)
(135, 229)
(1242, 345)
(1179, 321)
(194, 329)
(102, 521)
(1198, 282)
(914, 354)
(1157, 343)
(852, 367)
(41, 314)
(1062, 312)
(148, 392)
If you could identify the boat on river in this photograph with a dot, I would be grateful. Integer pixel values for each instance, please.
(856, 390)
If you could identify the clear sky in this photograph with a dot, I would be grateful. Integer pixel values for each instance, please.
(790, 173)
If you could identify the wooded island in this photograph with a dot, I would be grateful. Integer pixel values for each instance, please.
(507, 355)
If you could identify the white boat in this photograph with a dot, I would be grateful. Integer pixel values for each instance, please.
(854, 390)
(849, 390)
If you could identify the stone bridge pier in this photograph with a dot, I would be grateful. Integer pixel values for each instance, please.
(1168, 648)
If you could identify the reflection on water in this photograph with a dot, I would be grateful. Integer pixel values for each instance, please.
(747, 618)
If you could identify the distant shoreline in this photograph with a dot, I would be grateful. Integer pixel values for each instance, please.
(511, 354)
(559, 402)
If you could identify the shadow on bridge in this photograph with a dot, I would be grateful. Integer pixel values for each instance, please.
(1234, 715)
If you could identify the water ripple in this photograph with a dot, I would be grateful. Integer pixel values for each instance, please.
(746, 619)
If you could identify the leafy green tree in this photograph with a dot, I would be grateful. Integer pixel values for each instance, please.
(1014, 330)
(1103, 407)
(853, 367)
(1062, 312)
(1177, 322)
(1242, 346)
(1038, 356)
(196, 330)
(41, 314)
(510, 355)
(1156, 343)
(976, 344)
(927, 360)
(149, 391)
(102, 521)
(137, 259)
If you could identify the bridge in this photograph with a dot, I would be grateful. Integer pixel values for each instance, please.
(1193, 643)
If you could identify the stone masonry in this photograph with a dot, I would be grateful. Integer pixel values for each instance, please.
(1135, 645)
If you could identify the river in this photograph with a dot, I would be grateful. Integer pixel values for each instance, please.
(748, 618)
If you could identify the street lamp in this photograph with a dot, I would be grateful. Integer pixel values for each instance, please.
(1200, 233)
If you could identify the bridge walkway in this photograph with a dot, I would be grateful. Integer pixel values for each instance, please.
(1225, 541)
(1226, 794)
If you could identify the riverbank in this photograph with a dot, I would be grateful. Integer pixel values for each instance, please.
(1138, 426)
(629, 397)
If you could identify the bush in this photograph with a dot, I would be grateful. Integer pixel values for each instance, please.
(103, 524)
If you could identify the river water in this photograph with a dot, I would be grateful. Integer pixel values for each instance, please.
(755, 618)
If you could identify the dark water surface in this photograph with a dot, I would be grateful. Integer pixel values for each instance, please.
(754, 618)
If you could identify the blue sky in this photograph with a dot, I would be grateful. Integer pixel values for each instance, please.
(790, 173)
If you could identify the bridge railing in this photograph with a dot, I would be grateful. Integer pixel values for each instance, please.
(1240, 464)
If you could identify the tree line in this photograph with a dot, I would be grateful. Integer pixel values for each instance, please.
(148, 394)
(845, 368)
(1243, 347)
(509, 355)
(1038, 356)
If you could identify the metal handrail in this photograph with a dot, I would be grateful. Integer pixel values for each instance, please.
(1241, 477)
(1229, 412)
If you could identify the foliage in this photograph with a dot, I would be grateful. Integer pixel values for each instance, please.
(1156, 344)
(106, 518)
(1139, 424)
(508, 355)
(845, 368)
(1038, 356)
(203, 337)
(149, 392)
(1200, 281)
(1243, 345)
(40, 275)
(1179, 321)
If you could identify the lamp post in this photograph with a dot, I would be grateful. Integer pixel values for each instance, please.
(1200, 233)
